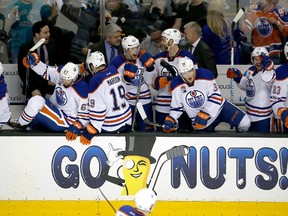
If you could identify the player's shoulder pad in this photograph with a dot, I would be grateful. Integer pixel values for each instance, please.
(81, 87)
(118, 61)
(161, 55)
(250, 70)
(182, 53)
(282, 72)
(204, 74)
(176, 81)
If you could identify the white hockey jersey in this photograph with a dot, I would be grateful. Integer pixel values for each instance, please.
(257, 85)
(108, 107)
(72, 101)
(204, 95)
(5, 113)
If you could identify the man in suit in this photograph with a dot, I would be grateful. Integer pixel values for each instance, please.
(110, 46)
(48, 53)
(202, 52)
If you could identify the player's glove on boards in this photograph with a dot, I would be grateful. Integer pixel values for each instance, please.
(169, 125)
(88, 133)
(160, 82)
(146, 60)
(73, 131)
(31, 59)
(283, 114)
(266, 63)
(201, 120)
(234, 73)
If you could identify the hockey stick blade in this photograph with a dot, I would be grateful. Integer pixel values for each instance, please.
(38, 44)
(144, 116)
(239, 15)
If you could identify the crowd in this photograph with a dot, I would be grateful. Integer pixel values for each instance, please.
(167, 62)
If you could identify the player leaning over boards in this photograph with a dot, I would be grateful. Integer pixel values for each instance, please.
(257, 82)
(66, 107)
(196, 92)
(145, 201)
(109, 111)
(136, 67)
(279, 95)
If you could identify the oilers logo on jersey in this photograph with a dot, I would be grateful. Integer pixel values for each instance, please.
(263, 27)
(250, 90)
(195, 99)
(61, 97)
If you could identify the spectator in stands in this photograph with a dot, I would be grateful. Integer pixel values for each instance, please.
(216, 33)
(49, 54)
(196, 92)
(257, 82)
(279, 95)
(193, 10)
(5, 113)
(267, 27)
(110, 46)
(203, 54)
(152, 44)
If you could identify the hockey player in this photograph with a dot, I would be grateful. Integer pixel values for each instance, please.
(257, 82)
(165, 65)
(108, 108)
(65, 109)
(134, 66)
(196, 92)
(279, 95)
(5, 113)
(145, 201)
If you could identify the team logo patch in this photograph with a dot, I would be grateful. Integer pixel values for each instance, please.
(263, 27)
(61, 96)
(195, 99)
(250, 90)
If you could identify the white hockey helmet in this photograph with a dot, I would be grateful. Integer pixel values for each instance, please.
(70, 71)
(1, 68)
(130, 42)
(286, 50)
(184, 65)
(173, 34)
(145, 199)
(258, 51)
(96, 59)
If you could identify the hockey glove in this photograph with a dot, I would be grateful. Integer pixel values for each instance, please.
(146, 60)
(31, 59)
(266, 63)
(283, 114)
(169, 125)
(160, 82)
(88, 133)
(201, 120)
(234, 73)
(130, 71)
(73, 131)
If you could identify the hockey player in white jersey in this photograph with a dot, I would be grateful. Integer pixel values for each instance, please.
(165, 65)
(65, 109)
(257, 82)
(279, 95)
(135, 67)
(109, 111)
(196, 92)
(5, 113)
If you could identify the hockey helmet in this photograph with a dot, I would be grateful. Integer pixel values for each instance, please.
(70, 71)
(184, 65)
(173, 34)
(145, 199)
(130, 42)
(286, 50)
(259, 51)
(1, 68)
(96, 59)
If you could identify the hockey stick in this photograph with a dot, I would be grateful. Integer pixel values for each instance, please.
(144, 116)
(176, 151)
(38, 44)
(107, 200)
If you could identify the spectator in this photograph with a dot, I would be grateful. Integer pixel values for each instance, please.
(165, 64)
(48, 52)
(193, 10)
(152, 44)
(201, 51)
(66, 108)
(5, 113)
(257, 81)
(110, 46)
(216, 33)
(267, 27)
(196, 92)
(4, 58)
(134, 67)
(109, 110)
